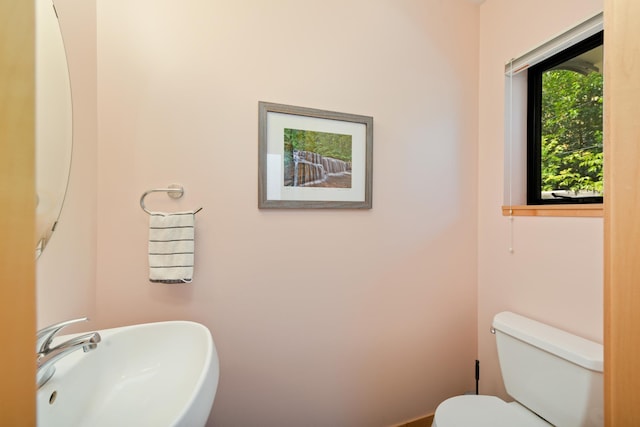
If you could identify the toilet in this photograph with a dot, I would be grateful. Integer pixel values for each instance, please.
(554, 377)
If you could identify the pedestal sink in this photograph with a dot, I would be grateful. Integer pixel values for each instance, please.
(154, 374)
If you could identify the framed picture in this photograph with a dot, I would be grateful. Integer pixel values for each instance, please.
(312, 158)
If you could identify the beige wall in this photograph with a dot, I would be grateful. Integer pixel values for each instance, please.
(362, 318)
(66, 269)
(555, 272)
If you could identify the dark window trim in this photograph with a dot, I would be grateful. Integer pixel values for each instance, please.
(534, 124)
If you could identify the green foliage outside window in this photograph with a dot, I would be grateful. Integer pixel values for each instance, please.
(571, 131)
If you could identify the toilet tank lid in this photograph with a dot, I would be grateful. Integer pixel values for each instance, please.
(580, 351)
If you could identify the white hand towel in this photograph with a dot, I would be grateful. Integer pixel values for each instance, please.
(171, 246)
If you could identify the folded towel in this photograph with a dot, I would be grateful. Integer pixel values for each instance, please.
(171, 245)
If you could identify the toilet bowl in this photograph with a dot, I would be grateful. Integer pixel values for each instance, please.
(484, 411)
(555, 378)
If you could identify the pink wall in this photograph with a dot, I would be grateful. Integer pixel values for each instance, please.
(555, 272)
(66, 269)
(362, 318)
(365, 318)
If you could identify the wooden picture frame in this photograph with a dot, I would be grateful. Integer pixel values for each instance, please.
(310, 158)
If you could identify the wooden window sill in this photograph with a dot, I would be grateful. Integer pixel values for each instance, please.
(590, 210)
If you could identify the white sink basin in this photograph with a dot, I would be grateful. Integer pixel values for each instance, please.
(155, 374)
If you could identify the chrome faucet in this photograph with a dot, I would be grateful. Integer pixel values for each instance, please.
(46, 356)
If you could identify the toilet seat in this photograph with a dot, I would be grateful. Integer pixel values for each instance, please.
(483, 411)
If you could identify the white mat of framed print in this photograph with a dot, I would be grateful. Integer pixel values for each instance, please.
(311, 158)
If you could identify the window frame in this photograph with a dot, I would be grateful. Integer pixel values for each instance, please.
(534, 124)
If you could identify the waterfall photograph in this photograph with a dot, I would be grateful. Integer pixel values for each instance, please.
(317, 159)
(310, 158)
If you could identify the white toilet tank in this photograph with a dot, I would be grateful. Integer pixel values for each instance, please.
(555, 374)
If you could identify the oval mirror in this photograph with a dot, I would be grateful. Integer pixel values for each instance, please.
(53, 122)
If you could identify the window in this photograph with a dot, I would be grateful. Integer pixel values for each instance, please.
(570, 189)
(564, 125)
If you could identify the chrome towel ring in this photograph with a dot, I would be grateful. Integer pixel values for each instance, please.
(174, 191)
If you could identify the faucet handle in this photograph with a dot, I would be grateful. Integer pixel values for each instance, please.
(45, 335)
